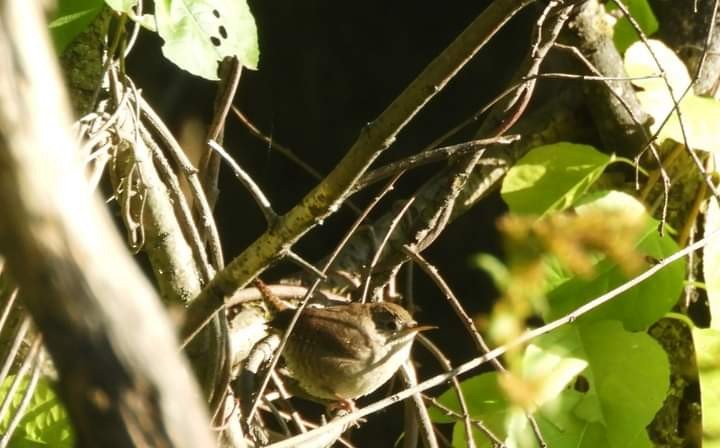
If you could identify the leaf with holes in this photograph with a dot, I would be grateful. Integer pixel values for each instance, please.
(600, 386)
(45, 421)
(612, 401)
(198, 34)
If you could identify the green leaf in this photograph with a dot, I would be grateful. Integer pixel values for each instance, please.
(552, 177)
(494, 268)
(640, 306)
(624, 34)
(71, 18)
(711, 262)
(485, 401)
(626, 378)
(127, 7)
(198, 34)
(698, 113)
(707, 353)
(124, 6)
(45, 421)
(629, 375)
(550, 367)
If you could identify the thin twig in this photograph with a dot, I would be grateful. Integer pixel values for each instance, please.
(284, 150)
(467, 322)
(304, 264)
(14, 348)
(8, 399)
(452, 413)
(432, 155)
(378, 251)
(423, 417)
(136, 29)
(260, 199)
(7, 308)
(35, 359)
(285, 400)
(466, 417)
(282, 292)
(230, 70)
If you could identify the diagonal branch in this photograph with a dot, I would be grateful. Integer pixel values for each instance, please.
(375, 138)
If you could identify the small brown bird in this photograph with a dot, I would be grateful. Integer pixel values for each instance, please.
(343, 352)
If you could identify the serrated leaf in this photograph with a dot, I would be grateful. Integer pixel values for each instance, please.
(637, 308)
(198, 34)
(71, 18)
(707, 353)
(552, 177)
(699, 114)
(45, 421)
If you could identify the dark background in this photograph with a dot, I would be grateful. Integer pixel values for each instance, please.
(326, 69)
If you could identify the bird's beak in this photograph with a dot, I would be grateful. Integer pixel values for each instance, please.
(419, 328)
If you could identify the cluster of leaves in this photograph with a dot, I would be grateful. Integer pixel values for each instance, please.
(600, 379)
(44, 422)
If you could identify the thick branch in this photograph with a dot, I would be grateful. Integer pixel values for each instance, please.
(613, 104)
(120, 374)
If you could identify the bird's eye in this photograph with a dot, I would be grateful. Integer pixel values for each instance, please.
(386, 320)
